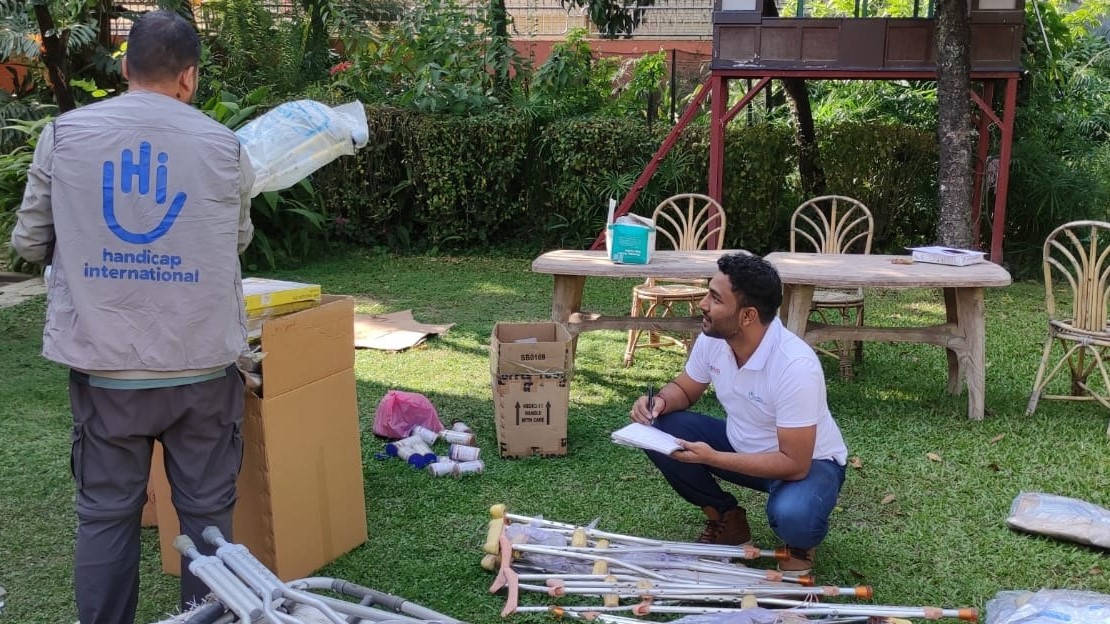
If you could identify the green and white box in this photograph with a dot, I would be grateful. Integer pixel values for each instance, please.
(630, 240)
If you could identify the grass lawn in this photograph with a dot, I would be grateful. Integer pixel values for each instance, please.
(921, 517)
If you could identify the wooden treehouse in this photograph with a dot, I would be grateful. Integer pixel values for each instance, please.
(758, 49)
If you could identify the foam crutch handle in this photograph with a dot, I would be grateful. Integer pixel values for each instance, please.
(601, 567)
(493, 534)
(497, 511)
(490, 562)
(579, 538)
(183, 544)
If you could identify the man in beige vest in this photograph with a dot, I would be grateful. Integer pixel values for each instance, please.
(140, 204)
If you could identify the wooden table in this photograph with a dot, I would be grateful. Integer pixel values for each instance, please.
(571, 267)
(963, 335)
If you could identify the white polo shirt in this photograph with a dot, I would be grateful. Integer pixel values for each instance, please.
(781, 385)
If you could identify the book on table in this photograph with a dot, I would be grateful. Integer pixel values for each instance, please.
(646, 437)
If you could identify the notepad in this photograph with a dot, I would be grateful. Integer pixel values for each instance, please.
(645, 437)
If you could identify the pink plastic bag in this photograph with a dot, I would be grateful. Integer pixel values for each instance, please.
(398, 412)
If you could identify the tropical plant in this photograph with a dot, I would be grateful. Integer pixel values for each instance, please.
(13, 178)
(288, 227)
(69, 39)
(567, 83)
(613, 18)
(643, 87)
(1060, 157)
(253, 46)
(439, 58)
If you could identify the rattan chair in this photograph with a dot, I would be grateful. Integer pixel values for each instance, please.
(835, 224)
(683, 222)
(1076, 265)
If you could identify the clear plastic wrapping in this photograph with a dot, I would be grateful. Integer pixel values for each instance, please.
(1061, 517)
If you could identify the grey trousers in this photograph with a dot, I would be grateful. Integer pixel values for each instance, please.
(114, 430)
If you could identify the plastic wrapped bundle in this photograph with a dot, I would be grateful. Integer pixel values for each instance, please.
(293, 140)
(1048, 606)
(1061, 517)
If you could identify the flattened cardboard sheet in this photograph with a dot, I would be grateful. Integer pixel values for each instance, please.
(396, 331)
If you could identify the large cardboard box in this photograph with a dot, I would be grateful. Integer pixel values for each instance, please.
(301, 494)
(530, 348)
(530, 366)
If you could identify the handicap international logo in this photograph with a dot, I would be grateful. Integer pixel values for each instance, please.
(146, 264)
(130, 172)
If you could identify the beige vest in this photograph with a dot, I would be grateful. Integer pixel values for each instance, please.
(145, 198)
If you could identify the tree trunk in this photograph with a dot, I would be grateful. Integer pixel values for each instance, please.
(805, 135)
(499, 18)
(954, 176)
(104, 11)
(54, 57)
(805, 138)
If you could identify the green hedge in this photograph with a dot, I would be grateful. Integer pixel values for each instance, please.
(893, 171)
(503, 180)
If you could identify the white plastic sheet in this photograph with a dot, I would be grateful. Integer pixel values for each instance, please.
(294, 139)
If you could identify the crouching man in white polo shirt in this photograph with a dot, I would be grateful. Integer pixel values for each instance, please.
(778, 436)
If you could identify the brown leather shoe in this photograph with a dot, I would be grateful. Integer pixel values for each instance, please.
(727, 529)
(800, 560)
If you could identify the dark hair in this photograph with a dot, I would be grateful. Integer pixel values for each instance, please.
(755, 282)
(160, 46)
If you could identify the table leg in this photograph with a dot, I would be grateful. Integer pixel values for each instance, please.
(972, 320)
(796, 302)
(566, 300)
(951, 310)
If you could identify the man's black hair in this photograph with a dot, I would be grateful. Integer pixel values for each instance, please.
(160, 46)
(754, 281)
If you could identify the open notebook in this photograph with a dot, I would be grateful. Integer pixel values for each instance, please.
(645, 437)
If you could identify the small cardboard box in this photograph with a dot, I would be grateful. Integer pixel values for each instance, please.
(301, 494)
(947, 255)
(530, 348)
(630, 240)
(261, 293)
(530, 366)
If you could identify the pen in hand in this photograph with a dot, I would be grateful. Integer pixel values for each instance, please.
(650, 405)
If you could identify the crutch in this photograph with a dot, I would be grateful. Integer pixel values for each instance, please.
(700, 564)
(608, 618)
(260, 579)
(672, 547)
(400, 607)
(229, 589)
(799, 607)
(685, 591)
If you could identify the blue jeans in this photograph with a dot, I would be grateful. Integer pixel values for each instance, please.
(797, 511)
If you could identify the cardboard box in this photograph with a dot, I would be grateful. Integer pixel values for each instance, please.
(531, 413)
(260, 293)
(947, 255)
(150, 512)
(301, 494)
(530, 348)
(530, 368)
(630, 240)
